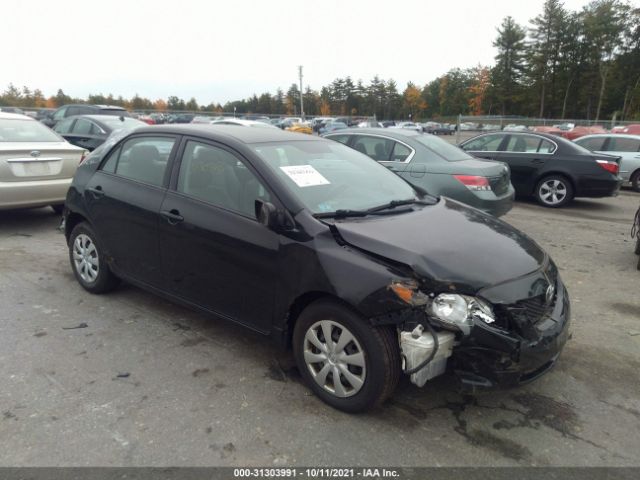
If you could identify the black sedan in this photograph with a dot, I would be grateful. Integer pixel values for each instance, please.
(434, 165)
(552, 169)
(323, 249)
(90, 131)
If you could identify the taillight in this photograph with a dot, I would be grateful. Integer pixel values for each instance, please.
(609, 165)
(474, 182)
(84, 155)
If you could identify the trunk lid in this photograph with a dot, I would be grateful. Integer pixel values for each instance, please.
(43, 161)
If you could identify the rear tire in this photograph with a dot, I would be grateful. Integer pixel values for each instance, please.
(635, 181)
(58, 208)
(554, 191)
(365, 359)
(87, 260)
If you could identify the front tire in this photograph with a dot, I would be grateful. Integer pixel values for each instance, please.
(554, 191)
(349, 364)
(87, 260)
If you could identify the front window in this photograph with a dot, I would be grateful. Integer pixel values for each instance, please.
(328, 176)
(26, 131)
(623, 144)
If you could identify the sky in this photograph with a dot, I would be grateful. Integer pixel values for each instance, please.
(224, 50)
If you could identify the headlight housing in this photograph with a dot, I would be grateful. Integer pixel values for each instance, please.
(460, 311)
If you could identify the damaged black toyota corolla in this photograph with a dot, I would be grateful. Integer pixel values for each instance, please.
(325, 250)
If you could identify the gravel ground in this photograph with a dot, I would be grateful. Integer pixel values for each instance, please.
(127, 379)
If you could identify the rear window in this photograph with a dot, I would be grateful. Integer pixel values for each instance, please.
(26, 131)
(449, 152)
(127, 123)
(114, 111)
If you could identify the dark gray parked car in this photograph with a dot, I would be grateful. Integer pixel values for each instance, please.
(90, 131)
(436, 166)
(67, 111)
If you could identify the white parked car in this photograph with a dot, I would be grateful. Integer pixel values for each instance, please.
(242, 123)
(512, 127)
(409, 126)
(36, 164)
(621, 145)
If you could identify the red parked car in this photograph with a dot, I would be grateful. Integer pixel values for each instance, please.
(550, 130)
(633, 129)
(577, 132)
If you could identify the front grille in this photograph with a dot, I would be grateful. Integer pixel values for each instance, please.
(535, 308)
(523, 316)
(500, 185)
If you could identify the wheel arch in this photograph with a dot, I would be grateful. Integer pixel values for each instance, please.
(73, 219)
(298, 306)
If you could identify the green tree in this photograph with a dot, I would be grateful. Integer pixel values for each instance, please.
(545, 48)
(509, 63)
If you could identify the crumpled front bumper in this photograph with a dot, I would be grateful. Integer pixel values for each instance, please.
(495, 358)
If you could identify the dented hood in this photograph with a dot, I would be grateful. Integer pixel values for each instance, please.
(447, 242)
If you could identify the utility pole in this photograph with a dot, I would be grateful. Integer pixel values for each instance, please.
(301, 93)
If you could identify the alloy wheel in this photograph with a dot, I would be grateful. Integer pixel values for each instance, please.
(85, 258)
(334, 358)
(552, 192)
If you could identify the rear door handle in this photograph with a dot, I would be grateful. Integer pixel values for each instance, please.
(172, 216)
(96, 192)
(537, 161)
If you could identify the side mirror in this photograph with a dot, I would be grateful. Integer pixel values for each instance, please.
(267, 214)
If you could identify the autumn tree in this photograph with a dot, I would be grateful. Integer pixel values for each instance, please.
(413, 101)
(478, 90)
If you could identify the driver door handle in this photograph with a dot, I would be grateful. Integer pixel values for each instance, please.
(172, 216)
(96, 191)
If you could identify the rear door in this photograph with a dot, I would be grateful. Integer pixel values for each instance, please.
(215, 253)
(124, 198)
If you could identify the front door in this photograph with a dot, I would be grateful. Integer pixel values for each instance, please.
(526, 156)
(214, 252)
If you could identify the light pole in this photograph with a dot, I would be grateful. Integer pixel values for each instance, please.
(301, 100)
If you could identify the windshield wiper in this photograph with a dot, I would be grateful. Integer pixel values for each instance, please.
(342, 214)
(370, 211)
(393, 204)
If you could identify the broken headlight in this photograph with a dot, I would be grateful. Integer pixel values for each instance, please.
(460, 311)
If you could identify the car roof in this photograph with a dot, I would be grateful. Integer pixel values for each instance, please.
(616, 135)
(549, 136)
(398, 134)
(226, 132)
(90, 105)
(15, 116)
(239, 121)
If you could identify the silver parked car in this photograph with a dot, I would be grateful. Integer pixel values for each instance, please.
(36, 164)
(621, 145)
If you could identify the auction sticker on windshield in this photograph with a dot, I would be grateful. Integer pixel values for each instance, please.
(305, 175)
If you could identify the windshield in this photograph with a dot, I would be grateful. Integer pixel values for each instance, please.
(19, 130)
(327, 176)
(442, 148)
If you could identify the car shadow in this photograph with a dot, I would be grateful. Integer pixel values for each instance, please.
(26, 221)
